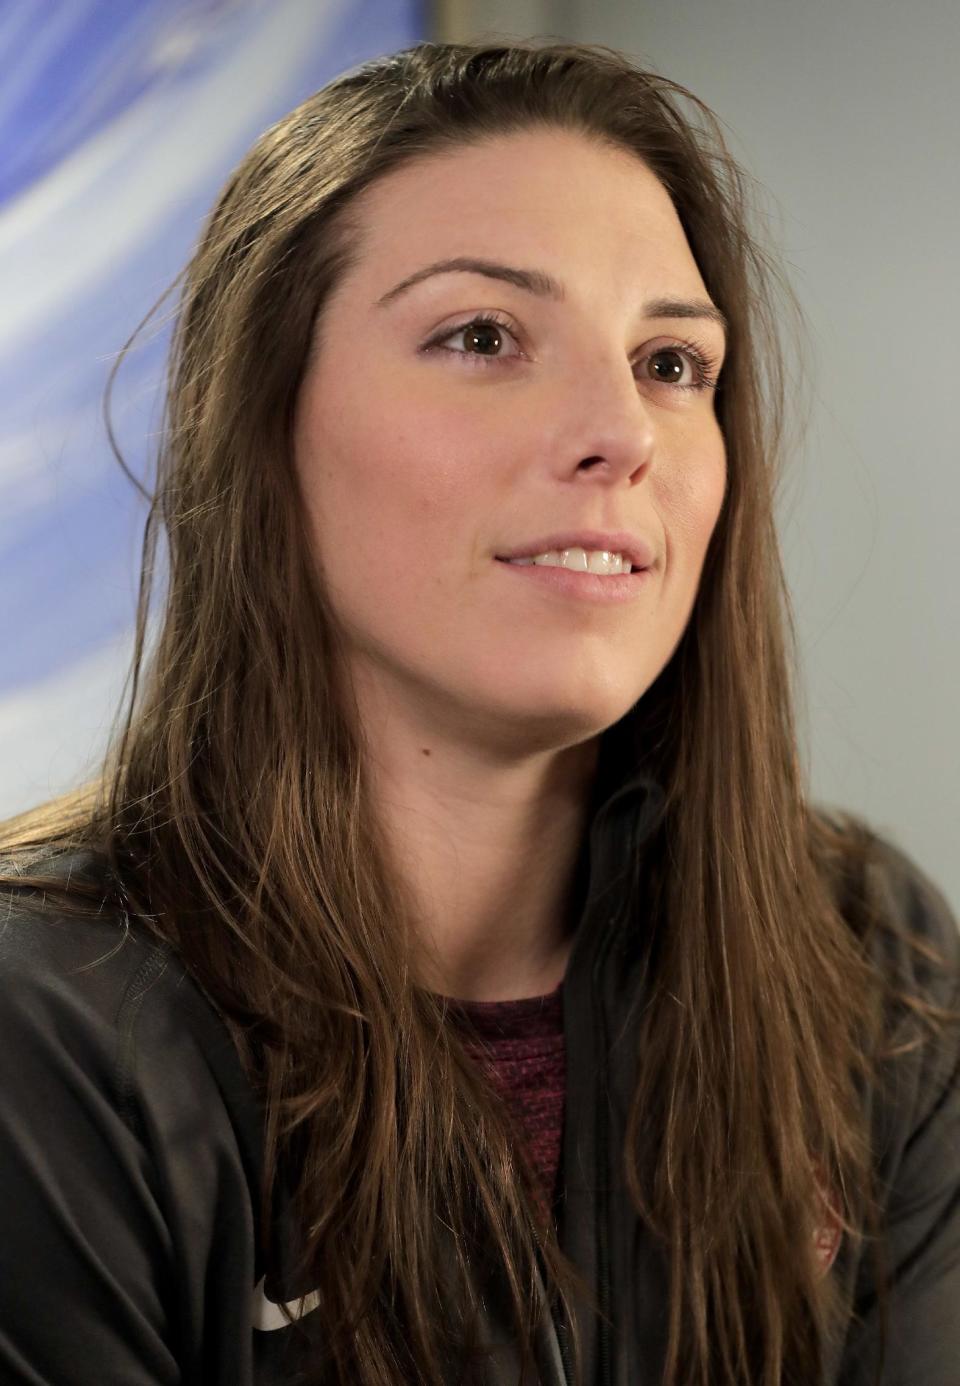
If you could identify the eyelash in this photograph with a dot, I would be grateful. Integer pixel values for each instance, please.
(703, 361)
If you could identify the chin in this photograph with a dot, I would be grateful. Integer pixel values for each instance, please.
(554, 721)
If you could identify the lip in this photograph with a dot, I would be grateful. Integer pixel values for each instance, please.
(631, 546)
(600, 589)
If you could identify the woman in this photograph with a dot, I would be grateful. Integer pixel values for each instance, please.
(448, 979)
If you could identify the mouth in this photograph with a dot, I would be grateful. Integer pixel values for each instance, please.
(604, 552)
(553, 580)
(616, 566)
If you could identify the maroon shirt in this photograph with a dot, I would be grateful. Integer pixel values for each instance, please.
(521, 1046)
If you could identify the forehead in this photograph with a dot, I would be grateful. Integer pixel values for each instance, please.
(533, 195)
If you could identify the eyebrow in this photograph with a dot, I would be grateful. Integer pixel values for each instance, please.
(543, 285)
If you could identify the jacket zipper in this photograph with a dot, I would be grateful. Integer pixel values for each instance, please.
(560, 1330)
(564, 1345)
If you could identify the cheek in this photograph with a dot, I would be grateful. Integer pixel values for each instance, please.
(690, 497)
(393, 491)
(708, 500)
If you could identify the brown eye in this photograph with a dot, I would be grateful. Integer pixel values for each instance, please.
(484, 338)
(666, 366)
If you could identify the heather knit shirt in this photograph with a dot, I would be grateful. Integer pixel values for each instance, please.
(521, 1046)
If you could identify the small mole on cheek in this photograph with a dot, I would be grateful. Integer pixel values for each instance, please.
(425, 751)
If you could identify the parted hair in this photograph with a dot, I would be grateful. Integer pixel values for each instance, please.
(234, 815)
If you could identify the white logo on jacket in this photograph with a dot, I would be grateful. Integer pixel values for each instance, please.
(267, 1316)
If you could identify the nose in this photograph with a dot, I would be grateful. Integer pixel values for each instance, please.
(608, 430)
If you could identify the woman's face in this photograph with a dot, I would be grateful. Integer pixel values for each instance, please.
(427, 450)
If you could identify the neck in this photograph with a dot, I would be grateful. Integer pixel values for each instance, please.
(487, 851)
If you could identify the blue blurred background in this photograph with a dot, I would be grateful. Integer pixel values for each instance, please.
(119, 122)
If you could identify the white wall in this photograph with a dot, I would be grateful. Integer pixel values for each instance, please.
(849, 114)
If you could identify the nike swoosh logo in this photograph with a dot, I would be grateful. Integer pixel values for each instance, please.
(267, 1316)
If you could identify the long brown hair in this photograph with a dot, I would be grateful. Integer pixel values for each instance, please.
(234, 807)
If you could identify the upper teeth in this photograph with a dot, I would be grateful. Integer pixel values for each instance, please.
(581, 560)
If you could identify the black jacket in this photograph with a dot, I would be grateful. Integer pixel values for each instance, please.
(130, 1150)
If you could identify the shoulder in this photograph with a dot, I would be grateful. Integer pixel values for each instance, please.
(911, 936)
(906, 923)
(911, 897)
(71, 970)
(127, 1121)
(915, 946)
(76, 973)
(90, 996)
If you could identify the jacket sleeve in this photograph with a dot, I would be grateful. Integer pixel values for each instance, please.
(86, 1273)
(916, 1136)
